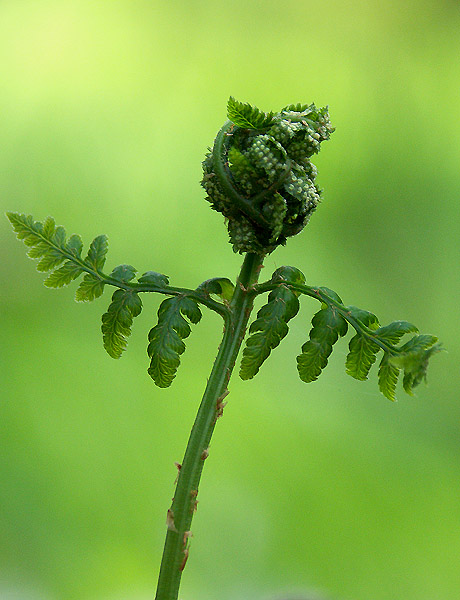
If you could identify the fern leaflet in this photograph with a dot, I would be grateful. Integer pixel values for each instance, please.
(328, 325)
(165, 339)
(247, 116)
(117, 321)
(268, 329)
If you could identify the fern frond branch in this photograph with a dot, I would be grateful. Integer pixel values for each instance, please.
(320, 295)
(199, 296)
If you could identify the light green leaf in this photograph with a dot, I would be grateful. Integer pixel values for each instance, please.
(388, 377)
(89, 289)
(414, 357)
(117, 321)
(97, 253)
(165, 339)
(64, 275)
(52, 259)
(247, 116)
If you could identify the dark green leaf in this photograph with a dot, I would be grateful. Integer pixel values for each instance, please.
(89, 289)
(361, 356)
(268, 329)
(49, 227)
(117, 321)
(247, 116)
(289, 274)
(165, 339)
(154, 278)
(64, 275)
(364, 316)
(328, 325)
(123, 273)
(97, 252)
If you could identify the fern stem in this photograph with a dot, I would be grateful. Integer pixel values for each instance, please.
(184, 503)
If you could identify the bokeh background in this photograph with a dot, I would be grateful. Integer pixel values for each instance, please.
(325, 490)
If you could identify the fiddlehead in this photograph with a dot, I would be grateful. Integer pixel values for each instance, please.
(259, 174)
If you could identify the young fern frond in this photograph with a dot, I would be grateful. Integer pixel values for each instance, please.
(260, 177)
(332, 321)
(48, 244)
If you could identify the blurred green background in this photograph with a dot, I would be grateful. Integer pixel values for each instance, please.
(106, 110)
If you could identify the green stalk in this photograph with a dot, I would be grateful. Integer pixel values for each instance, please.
(183, 507)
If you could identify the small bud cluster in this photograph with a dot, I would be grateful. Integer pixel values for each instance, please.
(270, 169)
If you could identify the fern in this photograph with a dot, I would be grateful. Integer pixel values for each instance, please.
(48, 244)
(388, 377)
(259, 177)
(247, 116)
(271, 327)
(117, 321)
(328, 325)
(165, 339)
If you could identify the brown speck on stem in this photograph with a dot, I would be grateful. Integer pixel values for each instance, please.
(178, 467)
(194, 504)
(170, 521)
(205, 454)
(182, 565)
(220, 404)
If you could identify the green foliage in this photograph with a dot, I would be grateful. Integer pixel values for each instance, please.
(271, 327)
(361, 356)
(328, 325)
(97, 252)
(89, 289)
(48, 244)
(331, 322)
(165, 339)
(64, 275)
(117, 321)
(123, 273)
(154, 278)
(247, 116)
(259, 174)
(220, 286)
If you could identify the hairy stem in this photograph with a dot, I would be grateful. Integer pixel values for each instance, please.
(184, 503)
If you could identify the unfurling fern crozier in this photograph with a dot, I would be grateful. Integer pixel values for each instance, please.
(259, 174)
